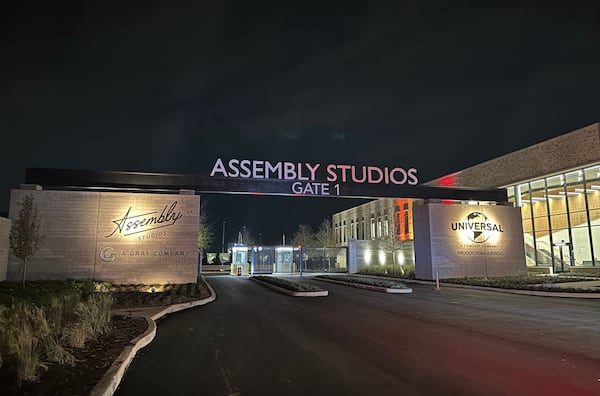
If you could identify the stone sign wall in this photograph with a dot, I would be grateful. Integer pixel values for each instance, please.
(116, 237)
(5, 225)
(455, 241)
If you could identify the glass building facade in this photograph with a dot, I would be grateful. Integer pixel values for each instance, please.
(561, 218)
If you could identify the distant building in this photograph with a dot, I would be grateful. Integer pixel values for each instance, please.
(556, 183)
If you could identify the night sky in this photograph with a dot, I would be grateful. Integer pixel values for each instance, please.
(170, 87)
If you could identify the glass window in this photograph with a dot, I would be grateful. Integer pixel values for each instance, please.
(538, 188)
(556, 201)
(541, 223)
(574, 177)
(555, 181)
(595, 219)
(527, 226)
(593, 196)
(529, 245)
(372, 228)
(510, 192)
(559, 221)
(542, 240)
(386, 227)
(562, 254)
(581, 246)
(596, 242)
(578, 219)
(592, 173)
(576, 197)
(539, 207)
(525, 211)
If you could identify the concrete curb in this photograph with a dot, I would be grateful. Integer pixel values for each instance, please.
(322, 293)
(509, 291)
(112, 378)
(406, 290)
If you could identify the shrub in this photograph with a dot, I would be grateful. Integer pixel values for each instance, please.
(94, 314)
(23, 333)
(390, 270)
(31, 336)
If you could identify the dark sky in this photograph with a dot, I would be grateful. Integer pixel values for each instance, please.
(169, 87)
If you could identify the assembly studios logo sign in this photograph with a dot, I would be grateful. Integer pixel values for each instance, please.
(139, 228)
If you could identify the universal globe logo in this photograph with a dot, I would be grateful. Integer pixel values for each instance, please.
(477, 227)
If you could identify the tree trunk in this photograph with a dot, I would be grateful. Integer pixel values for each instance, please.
(24, 270)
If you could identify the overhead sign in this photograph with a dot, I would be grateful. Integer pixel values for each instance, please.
(313, 178)
(270, 178)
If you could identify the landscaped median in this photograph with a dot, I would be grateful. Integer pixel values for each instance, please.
(384, 285)
(288, 287)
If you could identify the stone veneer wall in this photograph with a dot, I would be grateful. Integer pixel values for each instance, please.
(94, 235)
(342, 221)
(443, 249)
(569, 151)
(5, 225)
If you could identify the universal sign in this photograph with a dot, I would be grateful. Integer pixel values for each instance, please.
(477, 227)
(306, 175)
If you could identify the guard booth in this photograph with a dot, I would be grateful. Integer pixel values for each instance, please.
(239, 261)
(262, 260)
(284, 260)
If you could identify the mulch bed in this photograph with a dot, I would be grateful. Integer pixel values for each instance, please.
(91, 363)
(94, 360)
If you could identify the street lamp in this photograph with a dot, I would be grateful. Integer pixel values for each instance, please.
(223, 239)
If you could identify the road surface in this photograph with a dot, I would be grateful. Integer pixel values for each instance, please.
(254, 341)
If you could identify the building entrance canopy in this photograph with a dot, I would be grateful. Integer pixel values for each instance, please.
(167, 182)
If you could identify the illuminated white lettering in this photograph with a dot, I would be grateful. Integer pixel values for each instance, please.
(245, 166)
(258, 169)
(355, 179)
(331, 175)
(312, 170)
(289, 171)
(233, 168)
(270, 169)
(370, 178)
(412, 175)
(310, 188)
(218, 167)
(393, 177)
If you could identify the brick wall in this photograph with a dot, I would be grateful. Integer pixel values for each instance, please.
(569, 151)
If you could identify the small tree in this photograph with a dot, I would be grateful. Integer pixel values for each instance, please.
(206, 232)
(246, 236)
(304, 236)
(325, 235)
(390, 244)
(25, 237)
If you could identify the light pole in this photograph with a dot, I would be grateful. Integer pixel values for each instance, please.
(223, 239)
